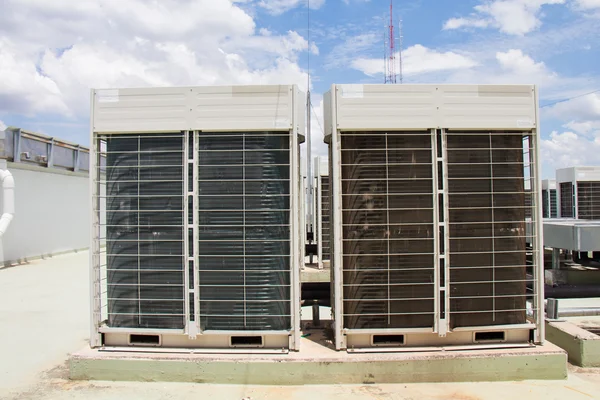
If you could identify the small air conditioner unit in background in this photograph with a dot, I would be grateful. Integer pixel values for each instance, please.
(323, 211)
(196, 217)
(579, 192)
(549, 199)
(429, 207)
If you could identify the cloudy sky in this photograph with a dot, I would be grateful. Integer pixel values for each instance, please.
(52, 52)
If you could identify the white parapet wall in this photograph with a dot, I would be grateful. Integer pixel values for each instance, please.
(52, 213)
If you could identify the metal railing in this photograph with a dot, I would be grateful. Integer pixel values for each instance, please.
(20, 146)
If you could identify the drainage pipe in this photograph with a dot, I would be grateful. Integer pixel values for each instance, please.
(8, 194)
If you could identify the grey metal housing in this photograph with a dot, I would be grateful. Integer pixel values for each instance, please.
(429, 212)
(196, 217)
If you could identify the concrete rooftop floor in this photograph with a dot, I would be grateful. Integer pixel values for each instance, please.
(44, 310)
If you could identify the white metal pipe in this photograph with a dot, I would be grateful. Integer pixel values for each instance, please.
(8, 206)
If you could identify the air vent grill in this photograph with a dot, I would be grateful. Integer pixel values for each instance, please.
(143, 181)
(588, 200)
(325, 218)
(566, 200)
(388, 233)
(244, 230)
(487, 205)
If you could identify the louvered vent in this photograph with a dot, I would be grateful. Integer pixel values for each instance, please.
(566, 200)
(487, 210)
(549, 206)
(388, 232)
(144, 230)
(553, 204)
(325, 218)
(588, 200)
(244, 231)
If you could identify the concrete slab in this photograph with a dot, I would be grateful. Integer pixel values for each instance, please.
(321, 364)
(44, 308)
(312, 274)
(582, 346)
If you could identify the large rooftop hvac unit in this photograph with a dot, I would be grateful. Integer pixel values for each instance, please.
(429, 213)
(323, 210)
(196, 215)
(549, 199)
(579, 192)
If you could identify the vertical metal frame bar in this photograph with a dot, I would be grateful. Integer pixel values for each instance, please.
(319, 206)
(335, 180)
(446, 221)
(295, 219)
(437, 321)
(186, 253)
(575, 185)
(442, 325)
(50, 151)
(17, 142)
(196, 223)
(95, 302)
(76, 156)
(538, 251)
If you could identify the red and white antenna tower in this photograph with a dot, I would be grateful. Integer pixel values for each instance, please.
(390, 57)
(392, 65)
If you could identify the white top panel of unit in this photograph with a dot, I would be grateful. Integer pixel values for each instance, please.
(207, 108)
(366, 107)
(574, 174)
(321, 166)
(548, 184)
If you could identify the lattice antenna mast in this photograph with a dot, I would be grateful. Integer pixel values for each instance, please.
(400, 45)
(390, 70)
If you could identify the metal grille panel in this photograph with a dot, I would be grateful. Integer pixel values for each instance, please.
(144, 230)
(487, 210)
(588, 200)
(387, 232)
(244, 231)
(325, 218)
(549, 206)
(566, 200)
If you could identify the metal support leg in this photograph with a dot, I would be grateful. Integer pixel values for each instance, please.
(316, 315)
(555, 258)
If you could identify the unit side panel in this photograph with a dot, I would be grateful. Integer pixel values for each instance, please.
(327, 113)
(140, 110)
(214, 108)
(242, 108)
(368, 107)
(489, 106)
(565, 175)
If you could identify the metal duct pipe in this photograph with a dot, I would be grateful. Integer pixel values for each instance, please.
(8, 208)
(579, 312)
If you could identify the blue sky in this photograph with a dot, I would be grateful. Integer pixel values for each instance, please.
(51, 53)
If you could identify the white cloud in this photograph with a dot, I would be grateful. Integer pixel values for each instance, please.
(457, 23)
(417, 60)
(588, 4)
(127, 43)
(2, 125)
(582, 109)
(277, 7)
(567, 149)
(585, 127)
(514, 60)
(23, 89)
(514, 17)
